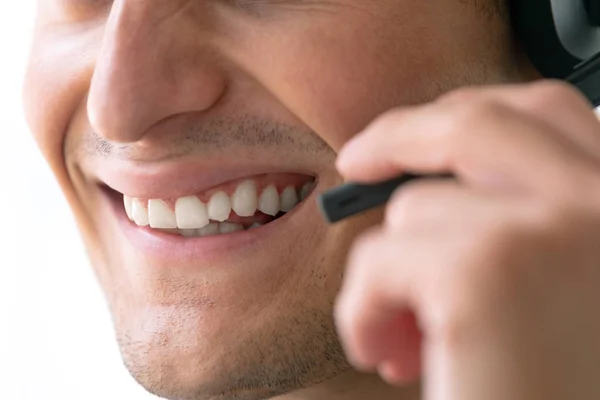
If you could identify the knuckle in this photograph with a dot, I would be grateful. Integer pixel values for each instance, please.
(466, 119)
(469, 115)
(461, 95)
(472, 104)
(485, 109)
(551, 94)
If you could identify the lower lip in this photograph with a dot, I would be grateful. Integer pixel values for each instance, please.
(167, 247)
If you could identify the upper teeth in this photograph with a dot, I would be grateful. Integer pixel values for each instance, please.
(244, 201)
(289, 199)
(219, 206)
(139, 213)
(161, 216)
(268, 202)
(191, 213)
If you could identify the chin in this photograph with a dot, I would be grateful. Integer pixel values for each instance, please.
(172, 352)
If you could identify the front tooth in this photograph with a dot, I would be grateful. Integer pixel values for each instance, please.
(229, 227)
(209, 230)
(305, 190)
(190, 213)
(127, 201)
(219, 206)
(289, 199)
(244, 201)
(139, 213)
(255, 225)
(268, 202)
(161, 216)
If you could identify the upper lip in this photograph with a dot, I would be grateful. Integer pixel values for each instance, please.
(177, 179)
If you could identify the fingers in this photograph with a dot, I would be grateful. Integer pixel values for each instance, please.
(452, 255)
(423, 205)
(402, 277)
(551, 102)
(486, 141)
(373, 309)
(403, 365)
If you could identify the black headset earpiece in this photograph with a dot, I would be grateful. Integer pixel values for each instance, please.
(562, 39)
(593, 9)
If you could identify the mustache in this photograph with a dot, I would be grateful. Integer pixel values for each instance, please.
(185, 138)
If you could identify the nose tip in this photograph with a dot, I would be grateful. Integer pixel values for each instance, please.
(114, 112)
(144, 73)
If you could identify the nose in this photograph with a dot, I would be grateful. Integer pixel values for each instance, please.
(154, 62)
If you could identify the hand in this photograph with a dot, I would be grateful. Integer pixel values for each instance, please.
(487, 285)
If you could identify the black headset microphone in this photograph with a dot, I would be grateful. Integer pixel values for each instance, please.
(562, 39)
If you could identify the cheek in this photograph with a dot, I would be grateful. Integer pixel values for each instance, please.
(54, 95)
(338, 79)
(55, 89)
(338, 99)
(48, 102)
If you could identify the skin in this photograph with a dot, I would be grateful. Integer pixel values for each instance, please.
(125, 82)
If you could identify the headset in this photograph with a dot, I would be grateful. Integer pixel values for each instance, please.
(562, 40)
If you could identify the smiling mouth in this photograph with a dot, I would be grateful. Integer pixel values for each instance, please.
(237, 206)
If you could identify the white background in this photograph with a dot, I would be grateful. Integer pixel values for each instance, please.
(56, 340)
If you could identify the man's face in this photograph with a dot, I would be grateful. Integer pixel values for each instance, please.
(188, 108)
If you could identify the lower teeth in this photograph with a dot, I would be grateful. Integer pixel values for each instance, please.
(213, 229)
